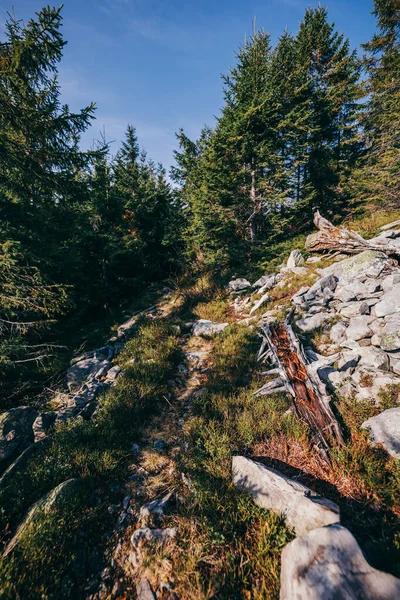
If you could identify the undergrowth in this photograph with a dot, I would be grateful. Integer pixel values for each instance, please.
(98, 453)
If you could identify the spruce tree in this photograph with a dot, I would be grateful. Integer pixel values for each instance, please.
(379, 177)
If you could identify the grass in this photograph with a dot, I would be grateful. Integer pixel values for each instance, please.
(97, 452)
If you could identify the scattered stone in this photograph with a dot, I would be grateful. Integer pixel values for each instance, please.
(385, 430)
(155, 508)
(89, 392)
(238, 285)
(327, 564)
(374, 358)
(127, 328)
(303, 509)
(390, 281)
(51, 501)
(354, 309)
(159, 445)
(295, 259)
(42, 425)
(16, 431)
(389, 303)
(82, 370)
(113, 373)
(145, 535)
(309, 323)
(359, 328)
(206, 328)
(144, 591)
(135, 449)
(265, 298)
(337, 332)
(348, 361)
(267, 282)
(390, 338)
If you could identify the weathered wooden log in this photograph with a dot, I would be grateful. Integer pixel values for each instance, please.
(301, 380)
(338, 239)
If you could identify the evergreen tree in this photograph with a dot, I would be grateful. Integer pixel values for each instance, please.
(379, 177)
(330, 73)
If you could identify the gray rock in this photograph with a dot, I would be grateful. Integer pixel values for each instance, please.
(303, 509)
(206, 328)
(391, 281)
(52, 501)
(295, 259)
(354, 309)
(238, 285)
(359, 328)
(366, 264)
(295, 271)
(144, 591)
(390, 338)
(309, 323)
(267, 282)
(322, 285)
(348, 361)
(345, 294)
(146, 535)
(83, 370)
(337, 332)
(385, 430)
(16, 431)
(159, 445)
(327, 564)
(389, 303)
(135, 448)
(263, 300)
(42, 425)
(154, 508)
(127, 328)
(89, 392)
(395, 363)
(113, 373)
(374, 358)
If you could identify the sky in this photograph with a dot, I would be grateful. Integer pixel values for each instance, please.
(157, 64)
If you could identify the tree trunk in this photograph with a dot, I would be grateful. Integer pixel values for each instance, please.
(253, 224)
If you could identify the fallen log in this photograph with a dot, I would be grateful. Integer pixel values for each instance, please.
(338, 239)
(298, 376)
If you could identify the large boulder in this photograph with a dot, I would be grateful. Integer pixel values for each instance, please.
(16, 431)
(303, 509)
(327, 564)
(385, 430)
(389, 303)
(368, 264)
(52, 501)
(206, 328)
(84, 370)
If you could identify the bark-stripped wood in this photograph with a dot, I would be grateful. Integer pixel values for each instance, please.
(334, 239)
(300, 379)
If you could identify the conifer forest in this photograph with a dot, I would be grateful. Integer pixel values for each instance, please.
(149, 467)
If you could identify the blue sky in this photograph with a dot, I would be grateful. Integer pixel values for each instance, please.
(156, 63)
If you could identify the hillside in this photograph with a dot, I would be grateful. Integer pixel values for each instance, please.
(129, 486)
